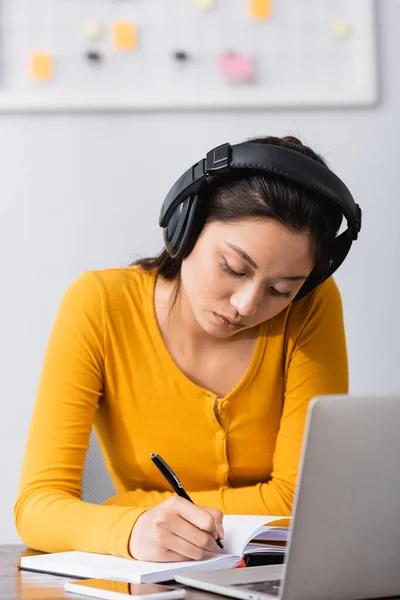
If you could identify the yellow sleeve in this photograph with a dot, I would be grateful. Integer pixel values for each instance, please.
(316, 363)
(48, 512)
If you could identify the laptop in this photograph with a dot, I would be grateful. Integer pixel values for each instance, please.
(344, 543)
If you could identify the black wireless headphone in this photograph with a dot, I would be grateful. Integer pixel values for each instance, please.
(182, 220)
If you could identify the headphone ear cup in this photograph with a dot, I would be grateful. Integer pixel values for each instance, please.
(310, 283)
(341, 247)
(182, 229)
(315, 278)
(172, 230)
(195, 222)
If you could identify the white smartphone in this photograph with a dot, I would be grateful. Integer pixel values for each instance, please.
(108, 589)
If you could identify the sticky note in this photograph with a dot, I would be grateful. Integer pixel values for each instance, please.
(236, 67)
(91, 30)
(260, 9)
(124, 35)
(340, 28)
(41, 66)
(204, 4)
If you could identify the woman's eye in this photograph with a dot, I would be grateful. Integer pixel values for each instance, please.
(233, 273)
(230, 271)
(286, 295)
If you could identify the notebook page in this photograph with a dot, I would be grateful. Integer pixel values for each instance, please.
(103, 566)
(240, 529)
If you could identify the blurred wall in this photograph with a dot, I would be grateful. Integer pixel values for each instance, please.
(83, 192)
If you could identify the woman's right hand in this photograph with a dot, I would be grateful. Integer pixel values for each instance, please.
(176, 530)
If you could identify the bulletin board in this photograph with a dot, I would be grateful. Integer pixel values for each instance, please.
(184, 54)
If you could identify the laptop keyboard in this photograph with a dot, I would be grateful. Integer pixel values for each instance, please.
(266, 587)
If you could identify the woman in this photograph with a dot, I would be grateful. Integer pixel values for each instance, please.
(207, 354)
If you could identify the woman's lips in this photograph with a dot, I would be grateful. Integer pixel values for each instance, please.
(227, 323)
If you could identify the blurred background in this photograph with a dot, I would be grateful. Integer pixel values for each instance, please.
(104, 103)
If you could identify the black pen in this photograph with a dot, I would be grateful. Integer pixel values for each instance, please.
(174, 482)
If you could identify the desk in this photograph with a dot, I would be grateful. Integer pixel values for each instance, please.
(26, 585)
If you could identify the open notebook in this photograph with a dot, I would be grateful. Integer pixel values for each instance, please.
(244, 534)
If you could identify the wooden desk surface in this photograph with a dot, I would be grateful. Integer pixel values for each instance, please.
(26, 585)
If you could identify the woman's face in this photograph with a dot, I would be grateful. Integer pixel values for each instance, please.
(242, 273)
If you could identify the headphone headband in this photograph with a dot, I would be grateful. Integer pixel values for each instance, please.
(271, 159)
(181, 205)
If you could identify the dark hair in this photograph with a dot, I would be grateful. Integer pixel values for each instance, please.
(242, 196)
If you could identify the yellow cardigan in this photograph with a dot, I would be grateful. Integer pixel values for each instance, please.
(106, 363)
